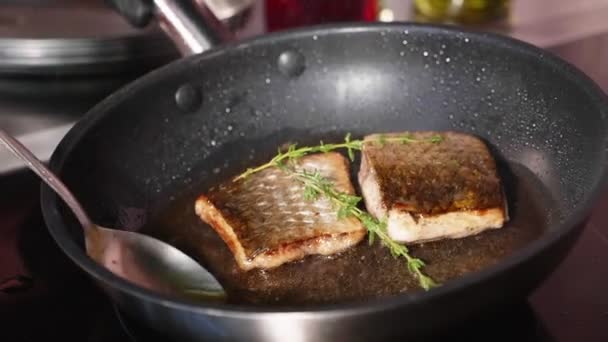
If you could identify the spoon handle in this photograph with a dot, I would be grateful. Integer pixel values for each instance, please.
(46, 175)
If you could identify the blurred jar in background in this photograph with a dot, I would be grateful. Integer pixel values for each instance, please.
(469, 12)
(283, 14)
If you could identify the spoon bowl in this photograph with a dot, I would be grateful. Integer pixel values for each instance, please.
(151, 263)
(139, 258)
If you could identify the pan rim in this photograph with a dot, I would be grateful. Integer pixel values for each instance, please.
(58, 228)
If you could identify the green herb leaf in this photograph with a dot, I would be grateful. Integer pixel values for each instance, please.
(310, 194)
(351, 154)
(371, 237)
(435, 139)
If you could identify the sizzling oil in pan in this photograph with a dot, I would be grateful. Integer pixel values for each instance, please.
(364, 271)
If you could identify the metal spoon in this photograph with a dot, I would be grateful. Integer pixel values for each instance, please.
(138, 258)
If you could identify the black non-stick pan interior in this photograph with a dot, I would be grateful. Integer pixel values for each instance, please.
(203, 119)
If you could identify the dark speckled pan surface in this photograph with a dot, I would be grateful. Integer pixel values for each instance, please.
(149, 146)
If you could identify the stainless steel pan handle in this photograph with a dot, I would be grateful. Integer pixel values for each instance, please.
(190, 24)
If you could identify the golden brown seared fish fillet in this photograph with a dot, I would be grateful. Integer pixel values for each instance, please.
(428, 191)
(266, 221)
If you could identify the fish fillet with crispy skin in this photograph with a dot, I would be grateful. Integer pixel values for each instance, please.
(266, 221)
(429, 191)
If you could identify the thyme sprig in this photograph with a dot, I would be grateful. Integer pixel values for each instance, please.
(315, 186)
(293, 152)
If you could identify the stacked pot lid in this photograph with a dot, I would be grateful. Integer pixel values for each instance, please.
(75, 37)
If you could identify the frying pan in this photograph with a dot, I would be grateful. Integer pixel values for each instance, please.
(209, 115)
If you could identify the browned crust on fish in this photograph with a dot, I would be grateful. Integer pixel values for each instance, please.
(421, 185)
(266, 247)
(427, 178)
